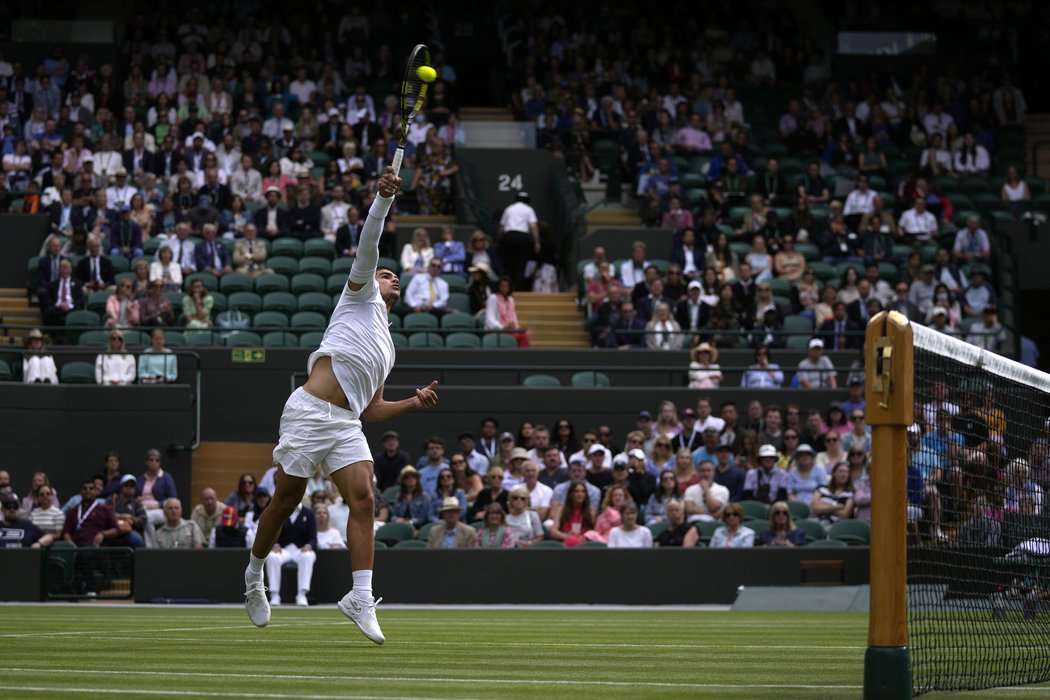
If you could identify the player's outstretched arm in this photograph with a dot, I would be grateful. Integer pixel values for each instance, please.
(379, 409)
(364, 267)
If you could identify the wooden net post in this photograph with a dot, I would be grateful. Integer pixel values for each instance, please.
(889, 405)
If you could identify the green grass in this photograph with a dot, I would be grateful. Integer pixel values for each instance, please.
(147, 652)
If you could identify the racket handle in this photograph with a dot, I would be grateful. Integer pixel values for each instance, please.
(399, 154)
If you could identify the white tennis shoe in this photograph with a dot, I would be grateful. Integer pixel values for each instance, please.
(363, 614)
(257, 606)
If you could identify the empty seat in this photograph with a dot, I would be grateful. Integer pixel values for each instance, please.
(541, 380)
(280, 339)
(243, 339)
(316, 265)
(457, 321)
(307, 282)
(285, 302)
(292, 247)
(248, 302)
(309, 320)
(419, 320)
(462, 340)
(77, 373)
(590, 378)
(270, 319)
(283, 265)
(319, 247)
(96, 301)
(426, 339)
(265, 284)
(315, 301)
(236, 282)
(498, 340)
(94, 338)
(459, 301)
(342, 266)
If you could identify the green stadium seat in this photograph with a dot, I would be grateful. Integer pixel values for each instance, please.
(270, 320)
(426, 339)
(319, 247)
(310, 339)
(548, 544)
(395, 532)
(393, 320)
(243, 339)
(307, 282)
(824, 271)
(219, 302)
(335, 282)
(281, 265)
(707, 528)
(285, 302)
(459, 301)
(590, 378)
(498, 340)
(81, 318)
(309, 320)
(384, 262)
(541, 380)
(798, 510)
(96, 301)
(829, 542)
(292, 247)
(264, 284)
(400, 340)
(736, 217)
(93, 339)
(592, 545)
(780, 286)
(122, 276)
(280, 339)
(462, 340)
(176, 299)
(316, 265)
(342, 266)
(77, 373)
(6, 375)
(456, 283)
(974, 184)
(149, 248)
(454, 321)
(135, 338)
(810, 251)
(853, 532)
(236, 282)
(798, 325)
(424, 532)
(419, 321)
(813, 529)
(315, 301)
(754, 510)
(248, 302)
(211, 283)
(411, 544)
(203, 339)
(658, 528)
(944, 183)
(797, 342)
(174, 339)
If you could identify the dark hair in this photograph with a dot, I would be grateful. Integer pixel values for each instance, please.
(490, 419)
(87, 482)
(585, 507)
(433, 440)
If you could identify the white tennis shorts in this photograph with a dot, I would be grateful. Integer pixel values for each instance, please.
(315, 432)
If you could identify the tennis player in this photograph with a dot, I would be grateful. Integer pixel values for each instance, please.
(321, 422)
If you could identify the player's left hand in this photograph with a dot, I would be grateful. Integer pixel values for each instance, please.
(427, 396)
(389, 183)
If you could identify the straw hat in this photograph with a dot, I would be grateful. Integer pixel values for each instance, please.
(34, 334)
(704, 347)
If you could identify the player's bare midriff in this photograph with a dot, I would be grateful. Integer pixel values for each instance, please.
(324, 385)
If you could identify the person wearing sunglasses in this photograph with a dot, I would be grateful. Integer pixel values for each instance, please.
(833, 452)
(733, 534)
(859, 435)
(47, 515)
(495, 493)
(16, 531)
(525, 523)
(242, 498)
(115, 366)
(781, 530)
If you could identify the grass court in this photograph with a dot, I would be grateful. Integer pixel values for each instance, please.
(96, 650)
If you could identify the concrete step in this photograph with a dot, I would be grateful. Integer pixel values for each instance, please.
(489, 133)
(552, 319)
(613, 216)
(546, 343)
(492, 114)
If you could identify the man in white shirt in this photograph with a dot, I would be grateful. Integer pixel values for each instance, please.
(590, 270)
(274, 126)
(937, 121)
(228, 155)
(333, 214)
(246, 181)
(705, 419)
(107, 161)
(918, 223)
(859, 202)
(972, 243)
(428, 292)
(121, 192)
(705, 500)
(539, 493)
(182, 249)
(302, 87)
(518, 227)
(632, 271)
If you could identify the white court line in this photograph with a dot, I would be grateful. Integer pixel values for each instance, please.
(428, 679)
(508, 643)
(101, 606)
(206, 693)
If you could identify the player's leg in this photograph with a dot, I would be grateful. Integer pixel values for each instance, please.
(355, 484)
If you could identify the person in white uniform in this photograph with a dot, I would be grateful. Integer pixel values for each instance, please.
(321, 423)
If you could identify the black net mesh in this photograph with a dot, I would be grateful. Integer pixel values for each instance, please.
(979, 533)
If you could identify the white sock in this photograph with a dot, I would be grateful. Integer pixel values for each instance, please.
(363, 582)
(254, 572)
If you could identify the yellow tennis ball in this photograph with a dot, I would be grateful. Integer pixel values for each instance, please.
(426, 74)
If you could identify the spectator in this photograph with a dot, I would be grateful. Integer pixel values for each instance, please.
(271, 219)
(805, 476)
(763, 373)
(131, 516)
(260, 502)
(663, 331)
(859, 436)
(628, 331)
(451, 534)
(428, 291)
(63, 295)
(91, 522)
(677, 530)
(705, 499)
(154, 487)
(156, 309)
(704, 372)
(781, 530)
(297, 543)
(495, 534)
(815, 370)
(495, 493)
(629, 534)
(166, 270)
(327, 536)
(413, 504)
(446, 487)
(197, 305)
(919, 225)
(157, 364)
(433, 179)
(979, 294)
(990, 334)
(972, 158)
(38, 366)
(518, 227)
(733, 534)
(46, 514)
(212, 255)
(1015, 195)
(575, 518)
(840, 332)
(501, 312)
(207, 513)
(17, 531)
(972, 243)
(833, 452)
(243, 498)
(231, 531)
(834, 501)
(177, 532)
(122, 310)
(524, 523)
(768, 483)
(125, 237)
(95, 270)
(788, 263)
(115, 366)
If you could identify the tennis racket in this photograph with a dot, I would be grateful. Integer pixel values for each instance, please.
(413, 94)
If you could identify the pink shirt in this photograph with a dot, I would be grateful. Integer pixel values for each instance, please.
(148, 501)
